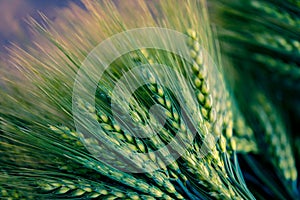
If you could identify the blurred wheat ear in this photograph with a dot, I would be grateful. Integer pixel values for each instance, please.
(260, 42)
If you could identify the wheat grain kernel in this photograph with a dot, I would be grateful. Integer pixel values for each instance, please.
(193, 54)
(201, 98)
(199, 59)
(197, 82)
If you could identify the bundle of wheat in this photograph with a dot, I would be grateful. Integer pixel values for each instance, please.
(162, 121)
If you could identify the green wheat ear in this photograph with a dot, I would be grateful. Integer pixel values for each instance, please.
(261, 43)
(271, 43)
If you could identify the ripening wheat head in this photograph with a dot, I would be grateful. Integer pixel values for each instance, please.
(199, 127)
